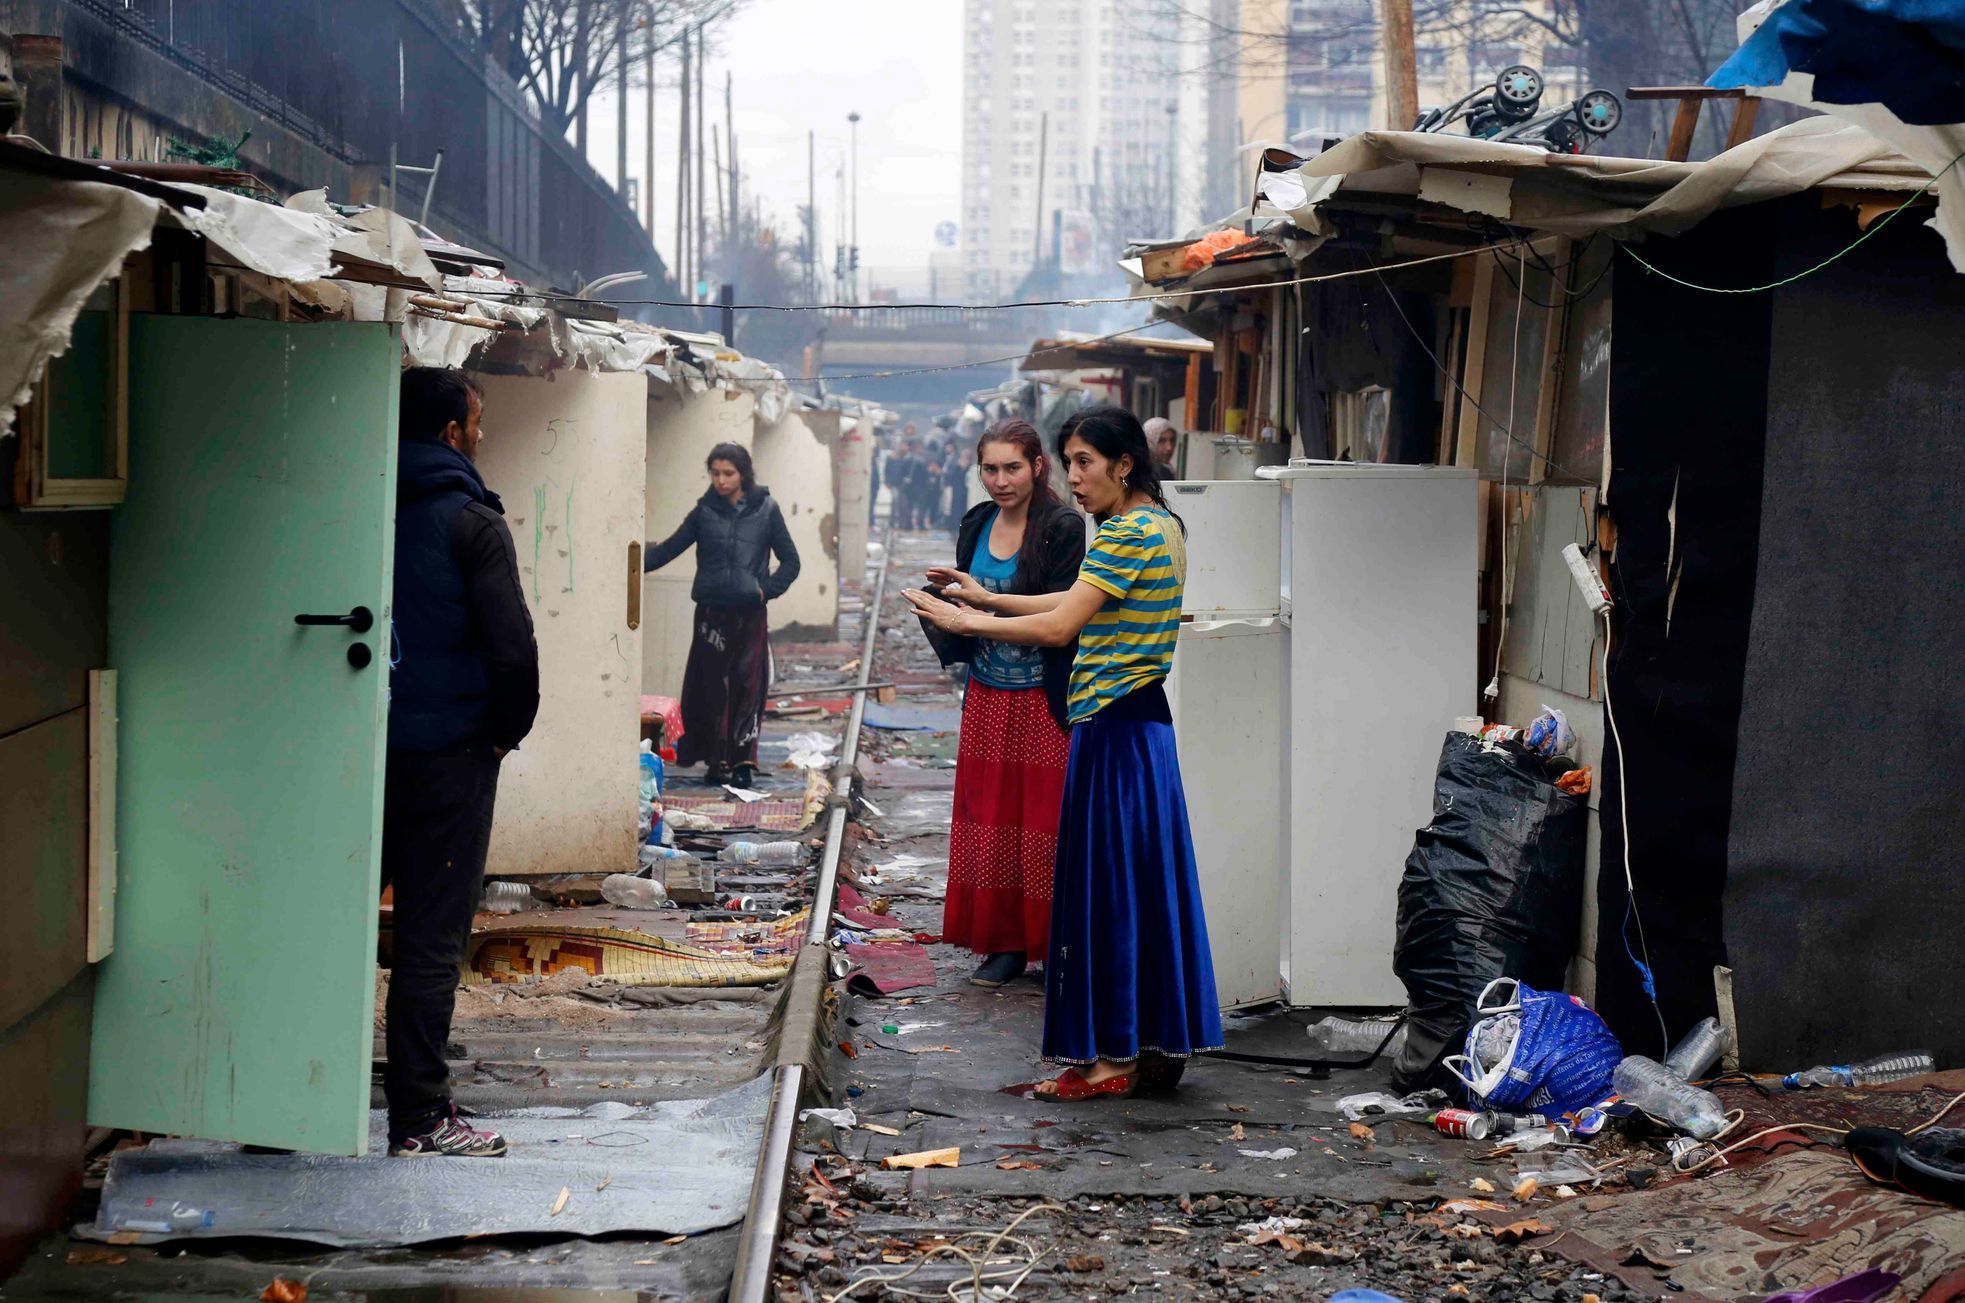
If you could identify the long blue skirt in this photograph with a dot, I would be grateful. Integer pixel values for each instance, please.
(1129, 970)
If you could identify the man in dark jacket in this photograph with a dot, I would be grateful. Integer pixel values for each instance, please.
(462, 694)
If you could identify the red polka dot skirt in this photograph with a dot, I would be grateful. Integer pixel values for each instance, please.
(1009, 783)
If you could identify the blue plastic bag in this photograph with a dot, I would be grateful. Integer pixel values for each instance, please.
(1544, 1052)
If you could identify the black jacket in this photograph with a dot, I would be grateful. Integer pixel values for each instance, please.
(466, 665)
(734, 547)
(1063, 532)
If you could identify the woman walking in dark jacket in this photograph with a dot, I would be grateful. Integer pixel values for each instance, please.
(736, 529)
(1009, 775)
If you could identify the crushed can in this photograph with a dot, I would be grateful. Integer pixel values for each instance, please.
(1462, 1123)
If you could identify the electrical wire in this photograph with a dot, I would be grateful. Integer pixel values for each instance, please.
(1151, 297)
(1800, 275)
(1648, 981)
(1492, 691)
(978, 1262)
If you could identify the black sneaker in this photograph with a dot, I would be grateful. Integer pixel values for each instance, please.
(715, 777)
(999, 969)
(449, 1138)
(744, 776)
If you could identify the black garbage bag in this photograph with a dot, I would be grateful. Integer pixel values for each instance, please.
(1493, 888)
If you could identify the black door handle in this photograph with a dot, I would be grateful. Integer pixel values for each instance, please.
(361, 619)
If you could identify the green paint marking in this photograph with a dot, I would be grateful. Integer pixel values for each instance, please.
(569, 536)
(538, 533)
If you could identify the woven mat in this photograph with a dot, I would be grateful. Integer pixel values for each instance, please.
(522, 953)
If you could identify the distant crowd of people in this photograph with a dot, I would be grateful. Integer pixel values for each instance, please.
(929, 481)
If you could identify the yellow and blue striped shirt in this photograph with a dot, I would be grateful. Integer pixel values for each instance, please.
(1130, 642)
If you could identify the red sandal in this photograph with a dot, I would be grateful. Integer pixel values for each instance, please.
(1072, 1088)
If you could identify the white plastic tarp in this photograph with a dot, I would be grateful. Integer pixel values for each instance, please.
(63, 239)
(1571, 195)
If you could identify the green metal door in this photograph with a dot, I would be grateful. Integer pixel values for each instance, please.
(238, 1001)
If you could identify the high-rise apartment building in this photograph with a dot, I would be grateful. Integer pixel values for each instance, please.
(1071, 121)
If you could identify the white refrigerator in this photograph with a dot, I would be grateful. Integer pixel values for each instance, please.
(1380, 598)
(1226, 691)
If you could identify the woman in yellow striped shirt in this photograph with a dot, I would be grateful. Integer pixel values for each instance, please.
(1129, 984)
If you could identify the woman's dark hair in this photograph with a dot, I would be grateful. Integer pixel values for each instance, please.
(1022, 435)
(1115, 432)
(737, 456)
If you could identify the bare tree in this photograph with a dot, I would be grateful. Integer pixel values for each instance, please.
(560, 52)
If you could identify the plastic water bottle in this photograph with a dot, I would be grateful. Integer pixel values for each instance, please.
(1653, 1087)
(1352, 1036)
(506, 897)
(767, 854)
(1870, 1072)
(625, 891)
(1694, 1056)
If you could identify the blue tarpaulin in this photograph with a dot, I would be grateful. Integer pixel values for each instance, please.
(1907, 55)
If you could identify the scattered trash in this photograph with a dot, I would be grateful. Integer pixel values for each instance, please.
(1481, 1184)
(1548, 735)
(744, 794)
(1521, 1230)
(925, 1158)
(1268, 1155)
(506, 897)
(1653, 1088)
(559, 1204)
(1554, 1052)
(1870, 1072)
(812, 750)
(1577, 782)
(774, 854)
(1237, 1132)
(1493, 887)
(880, 1129)
(1462, 1124)
(843, 1118)
(87, 1256)
(283, 1290)
(1345, 1037)
(1525, 1189)
(1696, 1053)
(1377, 1103)
(1017, 1165)
(626, 891)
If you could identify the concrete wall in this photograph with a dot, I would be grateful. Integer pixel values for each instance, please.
(795, 461)
(853, 464)
(566, 454)
(682, 428)
(53, 629)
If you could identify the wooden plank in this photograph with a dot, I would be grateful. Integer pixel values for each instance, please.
(1450, 398)
(1472, 371)
(101, 921)
(1191, 411)
(1562, 257)
(1684, 123)
(1744, 118)
(44, 808)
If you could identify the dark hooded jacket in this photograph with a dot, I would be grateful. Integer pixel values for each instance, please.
(465, 664)
(734, 547)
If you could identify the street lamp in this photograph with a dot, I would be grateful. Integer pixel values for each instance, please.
(853, 261)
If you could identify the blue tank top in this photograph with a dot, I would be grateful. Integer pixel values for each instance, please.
(1001, 664)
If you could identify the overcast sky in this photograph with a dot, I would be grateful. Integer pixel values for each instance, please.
(802, 65)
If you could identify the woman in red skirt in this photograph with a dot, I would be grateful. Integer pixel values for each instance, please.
(1009, 771)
